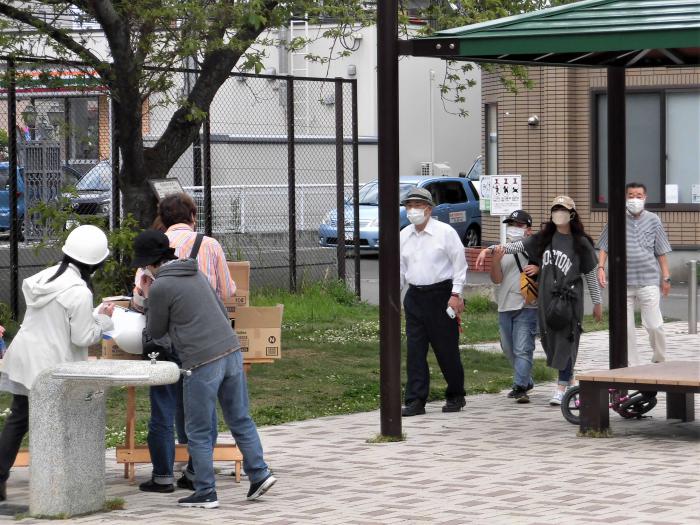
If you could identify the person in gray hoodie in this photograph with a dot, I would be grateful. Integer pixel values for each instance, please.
(181, 303)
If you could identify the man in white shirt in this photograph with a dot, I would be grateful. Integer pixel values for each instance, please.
(434, 266)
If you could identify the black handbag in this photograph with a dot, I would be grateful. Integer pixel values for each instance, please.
(559, 312)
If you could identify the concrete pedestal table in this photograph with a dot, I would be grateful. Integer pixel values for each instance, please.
(67, 431)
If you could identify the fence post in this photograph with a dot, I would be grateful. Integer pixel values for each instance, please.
(339, 179)
(206, 174)
(693, 297)
(116, 200)
(291, 186)
(12, 151)
(355, 186)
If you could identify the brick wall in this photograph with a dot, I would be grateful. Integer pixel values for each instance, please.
(555, 156)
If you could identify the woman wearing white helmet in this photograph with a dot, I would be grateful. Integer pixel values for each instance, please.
(58, 326)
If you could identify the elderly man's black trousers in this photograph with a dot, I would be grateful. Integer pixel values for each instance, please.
(427, 323)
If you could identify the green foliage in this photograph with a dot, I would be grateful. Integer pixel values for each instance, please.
(11, 326)
(478, 304)
(4, 143)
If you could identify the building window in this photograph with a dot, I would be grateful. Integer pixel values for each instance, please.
(663, 133)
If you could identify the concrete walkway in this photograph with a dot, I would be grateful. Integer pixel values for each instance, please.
(494, 463)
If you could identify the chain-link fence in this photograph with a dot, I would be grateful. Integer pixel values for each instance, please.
(264, 171)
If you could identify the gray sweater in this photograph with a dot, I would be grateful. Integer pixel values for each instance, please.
(183, 305)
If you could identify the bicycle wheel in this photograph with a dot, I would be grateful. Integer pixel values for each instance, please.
(638, 403)
(570, 405)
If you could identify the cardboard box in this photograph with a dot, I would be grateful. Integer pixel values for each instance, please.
(118, 300)
(110, 350)
(240, 273)
(259, 329)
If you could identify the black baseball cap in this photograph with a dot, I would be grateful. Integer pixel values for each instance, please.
(151, 246)
(520, 216)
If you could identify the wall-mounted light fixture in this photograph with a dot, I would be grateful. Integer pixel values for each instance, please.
(533, 120)
(352, 70)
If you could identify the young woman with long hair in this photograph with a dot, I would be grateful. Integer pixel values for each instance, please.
(566, 256)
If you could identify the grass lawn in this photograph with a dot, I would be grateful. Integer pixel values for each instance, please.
(330, 362)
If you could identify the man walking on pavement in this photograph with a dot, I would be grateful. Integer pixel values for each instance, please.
(647, 268)
(517, 319)
(434, 266)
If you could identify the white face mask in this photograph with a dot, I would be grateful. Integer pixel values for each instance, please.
(416, 215)
(513, 233)
(635, 206)
(561, 217)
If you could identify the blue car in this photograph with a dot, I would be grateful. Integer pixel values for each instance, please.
(5, 195)
(456, 203)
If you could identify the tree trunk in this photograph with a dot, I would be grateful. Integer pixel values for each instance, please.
(137, 197)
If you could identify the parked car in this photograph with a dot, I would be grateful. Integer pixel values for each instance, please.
(456, 203)
(94, 191)
(5, 196)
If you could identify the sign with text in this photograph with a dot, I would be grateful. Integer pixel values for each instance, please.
(164, 187)
(506, 194)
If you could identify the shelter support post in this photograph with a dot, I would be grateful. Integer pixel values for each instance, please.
(617, 235)
(12, 167)
(388, 154)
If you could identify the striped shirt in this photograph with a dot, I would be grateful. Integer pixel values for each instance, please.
(210, 259)
(646, 240)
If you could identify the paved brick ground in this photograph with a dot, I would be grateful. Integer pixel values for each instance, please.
(494, 463)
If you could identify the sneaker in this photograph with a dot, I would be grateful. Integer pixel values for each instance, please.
(205, 501)
(185, 483)
(557, 396)
(521, 396)
(261, 487)
(152, 486)
(454, 404)
(511, 394)
(414, 408)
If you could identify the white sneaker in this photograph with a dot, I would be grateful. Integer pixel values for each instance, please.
(557, 397)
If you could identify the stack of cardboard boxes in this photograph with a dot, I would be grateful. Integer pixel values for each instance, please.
(259, 328)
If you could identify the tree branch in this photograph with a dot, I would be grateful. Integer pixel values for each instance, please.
(215, 70)
(57, 35)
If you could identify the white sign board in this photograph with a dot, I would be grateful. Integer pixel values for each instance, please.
(506, 194)
(485, 193)
(696, 194)
(671, 193)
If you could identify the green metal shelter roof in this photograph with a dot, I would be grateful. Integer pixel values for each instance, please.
(597, 33)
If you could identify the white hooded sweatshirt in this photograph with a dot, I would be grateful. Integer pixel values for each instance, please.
(58, 325)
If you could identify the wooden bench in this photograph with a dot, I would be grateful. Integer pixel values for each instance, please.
(679, 379)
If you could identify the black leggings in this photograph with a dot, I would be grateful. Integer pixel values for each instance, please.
(16, 426)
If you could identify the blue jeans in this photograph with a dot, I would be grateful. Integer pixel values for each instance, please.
(166, 409)
(518, 329)
(223, 379)
(566, 374)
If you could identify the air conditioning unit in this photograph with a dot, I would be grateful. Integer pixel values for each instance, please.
(435, 169)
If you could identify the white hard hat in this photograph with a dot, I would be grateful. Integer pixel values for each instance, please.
(86, 244)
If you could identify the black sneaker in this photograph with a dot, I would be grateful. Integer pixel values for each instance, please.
(205, 501)
(414, 408)
(511, 394)
(454, 404)
(520, 395)
(152, 486)
(261, 487)
(185, 483)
